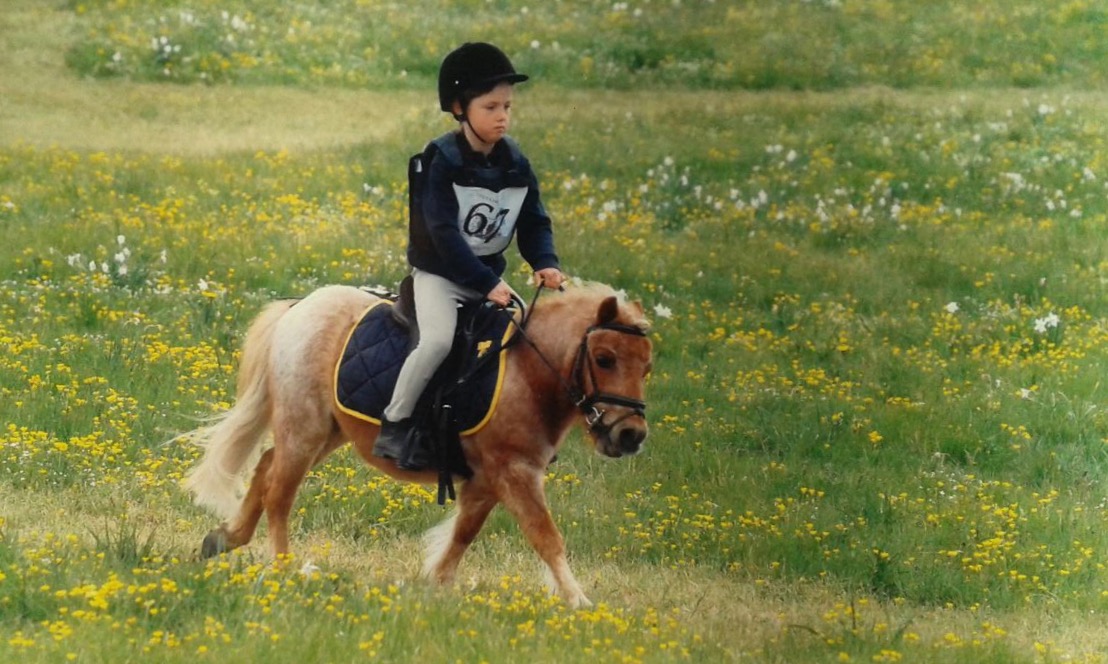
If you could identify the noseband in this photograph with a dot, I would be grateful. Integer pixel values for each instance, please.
(588, 403)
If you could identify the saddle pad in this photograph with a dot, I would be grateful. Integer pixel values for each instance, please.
(375, 351)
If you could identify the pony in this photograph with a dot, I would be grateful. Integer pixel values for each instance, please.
(585, 353)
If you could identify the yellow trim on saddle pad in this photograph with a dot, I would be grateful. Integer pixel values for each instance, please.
(338, 366)
(494, 400)
(503, 367)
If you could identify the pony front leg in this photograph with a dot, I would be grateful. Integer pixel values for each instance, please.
(523, 496)
(447, 542)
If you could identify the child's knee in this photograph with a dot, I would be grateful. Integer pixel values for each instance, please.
(435, 344)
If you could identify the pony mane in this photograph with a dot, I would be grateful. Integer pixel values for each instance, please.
(581, 301)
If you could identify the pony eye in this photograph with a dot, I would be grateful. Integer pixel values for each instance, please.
(606, 361)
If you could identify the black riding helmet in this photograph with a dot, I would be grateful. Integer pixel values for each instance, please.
(473, 66)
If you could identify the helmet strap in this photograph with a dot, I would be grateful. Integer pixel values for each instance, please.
(465, 120)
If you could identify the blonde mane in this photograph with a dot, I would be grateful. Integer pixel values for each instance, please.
(581, 302)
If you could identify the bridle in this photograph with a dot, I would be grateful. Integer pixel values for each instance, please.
(588, 403)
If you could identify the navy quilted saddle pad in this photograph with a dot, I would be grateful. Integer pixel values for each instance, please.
(375, 351)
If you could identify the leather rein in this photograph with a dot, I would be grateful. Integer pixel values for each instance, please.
(588, 404)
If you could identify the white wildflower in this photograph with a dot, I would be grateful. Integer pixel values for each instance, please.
(1048, 322)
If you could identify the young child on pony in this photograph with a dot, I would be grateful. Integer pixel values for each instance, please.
(479, 191)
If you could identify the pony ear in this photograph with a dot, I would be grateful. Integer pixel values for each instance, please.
(608, 311)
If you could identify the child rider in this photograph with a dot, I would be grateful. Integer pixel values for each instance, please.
(479, 191)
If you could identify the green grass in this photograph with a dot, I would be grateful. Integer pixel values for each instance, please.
(821, 44)
(877, 421)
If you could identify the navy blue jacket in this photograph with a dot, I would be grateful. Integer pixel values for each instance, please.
(465, 208)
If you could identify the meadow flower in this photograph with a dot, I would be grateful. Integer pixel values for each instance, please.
(1048, 322)
(752, 378)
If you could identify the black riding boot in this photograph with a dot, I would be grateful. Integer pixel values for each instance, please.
(392, 442)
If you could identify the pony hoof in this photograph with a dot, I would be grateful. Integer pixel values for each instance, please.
(214, 544)
(581, 602)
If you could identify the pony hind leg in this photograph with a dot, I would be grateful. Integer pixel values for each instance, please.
(239, 530)
(291, 463)
(271, 491)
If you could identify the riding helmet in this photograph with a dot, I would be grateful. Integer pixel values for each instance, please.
(473, 65)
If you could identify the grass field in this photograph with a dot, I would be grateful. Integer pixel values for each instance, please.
(872, 236)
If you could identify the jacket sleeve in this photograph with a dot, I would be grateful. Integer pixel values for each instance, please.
(534, 231)
(440, 212)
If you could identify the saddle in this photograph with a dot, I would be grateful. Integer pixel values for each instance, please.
(463, 393)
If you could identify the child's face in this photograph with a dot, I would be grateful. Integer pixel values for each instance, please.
(490, 115)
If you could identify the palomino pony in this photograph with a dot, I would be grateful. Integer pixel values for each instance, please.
(584, 351)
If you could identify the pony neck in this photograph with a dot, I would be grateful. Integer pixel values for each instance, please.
(557, 329)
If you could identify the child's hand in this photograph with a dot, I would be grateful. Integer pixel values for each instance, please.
(501, 294)
(550, 277)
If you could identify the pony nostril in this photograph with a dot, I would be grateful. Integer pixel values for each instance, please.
(631, 439)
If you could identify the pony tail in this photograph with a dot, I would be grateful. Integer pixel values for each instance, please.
(233, 438)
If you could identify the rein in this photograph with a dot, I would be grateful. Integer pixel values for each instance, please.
(587, 403)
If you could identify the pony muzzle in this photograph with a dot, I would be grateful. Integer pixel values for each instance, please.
(622, 436)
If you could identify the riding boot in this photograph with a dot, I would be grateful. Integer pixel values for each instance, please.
(392, 442)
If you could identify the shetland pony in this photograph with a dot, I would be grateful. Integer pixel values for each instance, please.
(583, 354)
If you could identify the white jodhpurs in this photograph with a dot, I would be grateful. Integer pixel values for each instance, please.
(436, 299)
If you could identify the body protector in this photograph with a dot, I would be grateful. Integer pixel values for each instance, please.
(464, 212)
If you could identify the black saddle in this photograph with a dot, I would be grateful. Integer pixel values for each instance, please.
(403, 309)
(462, 392)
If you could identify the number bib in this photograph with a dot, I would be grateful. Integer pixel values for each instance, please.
(487, 218)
